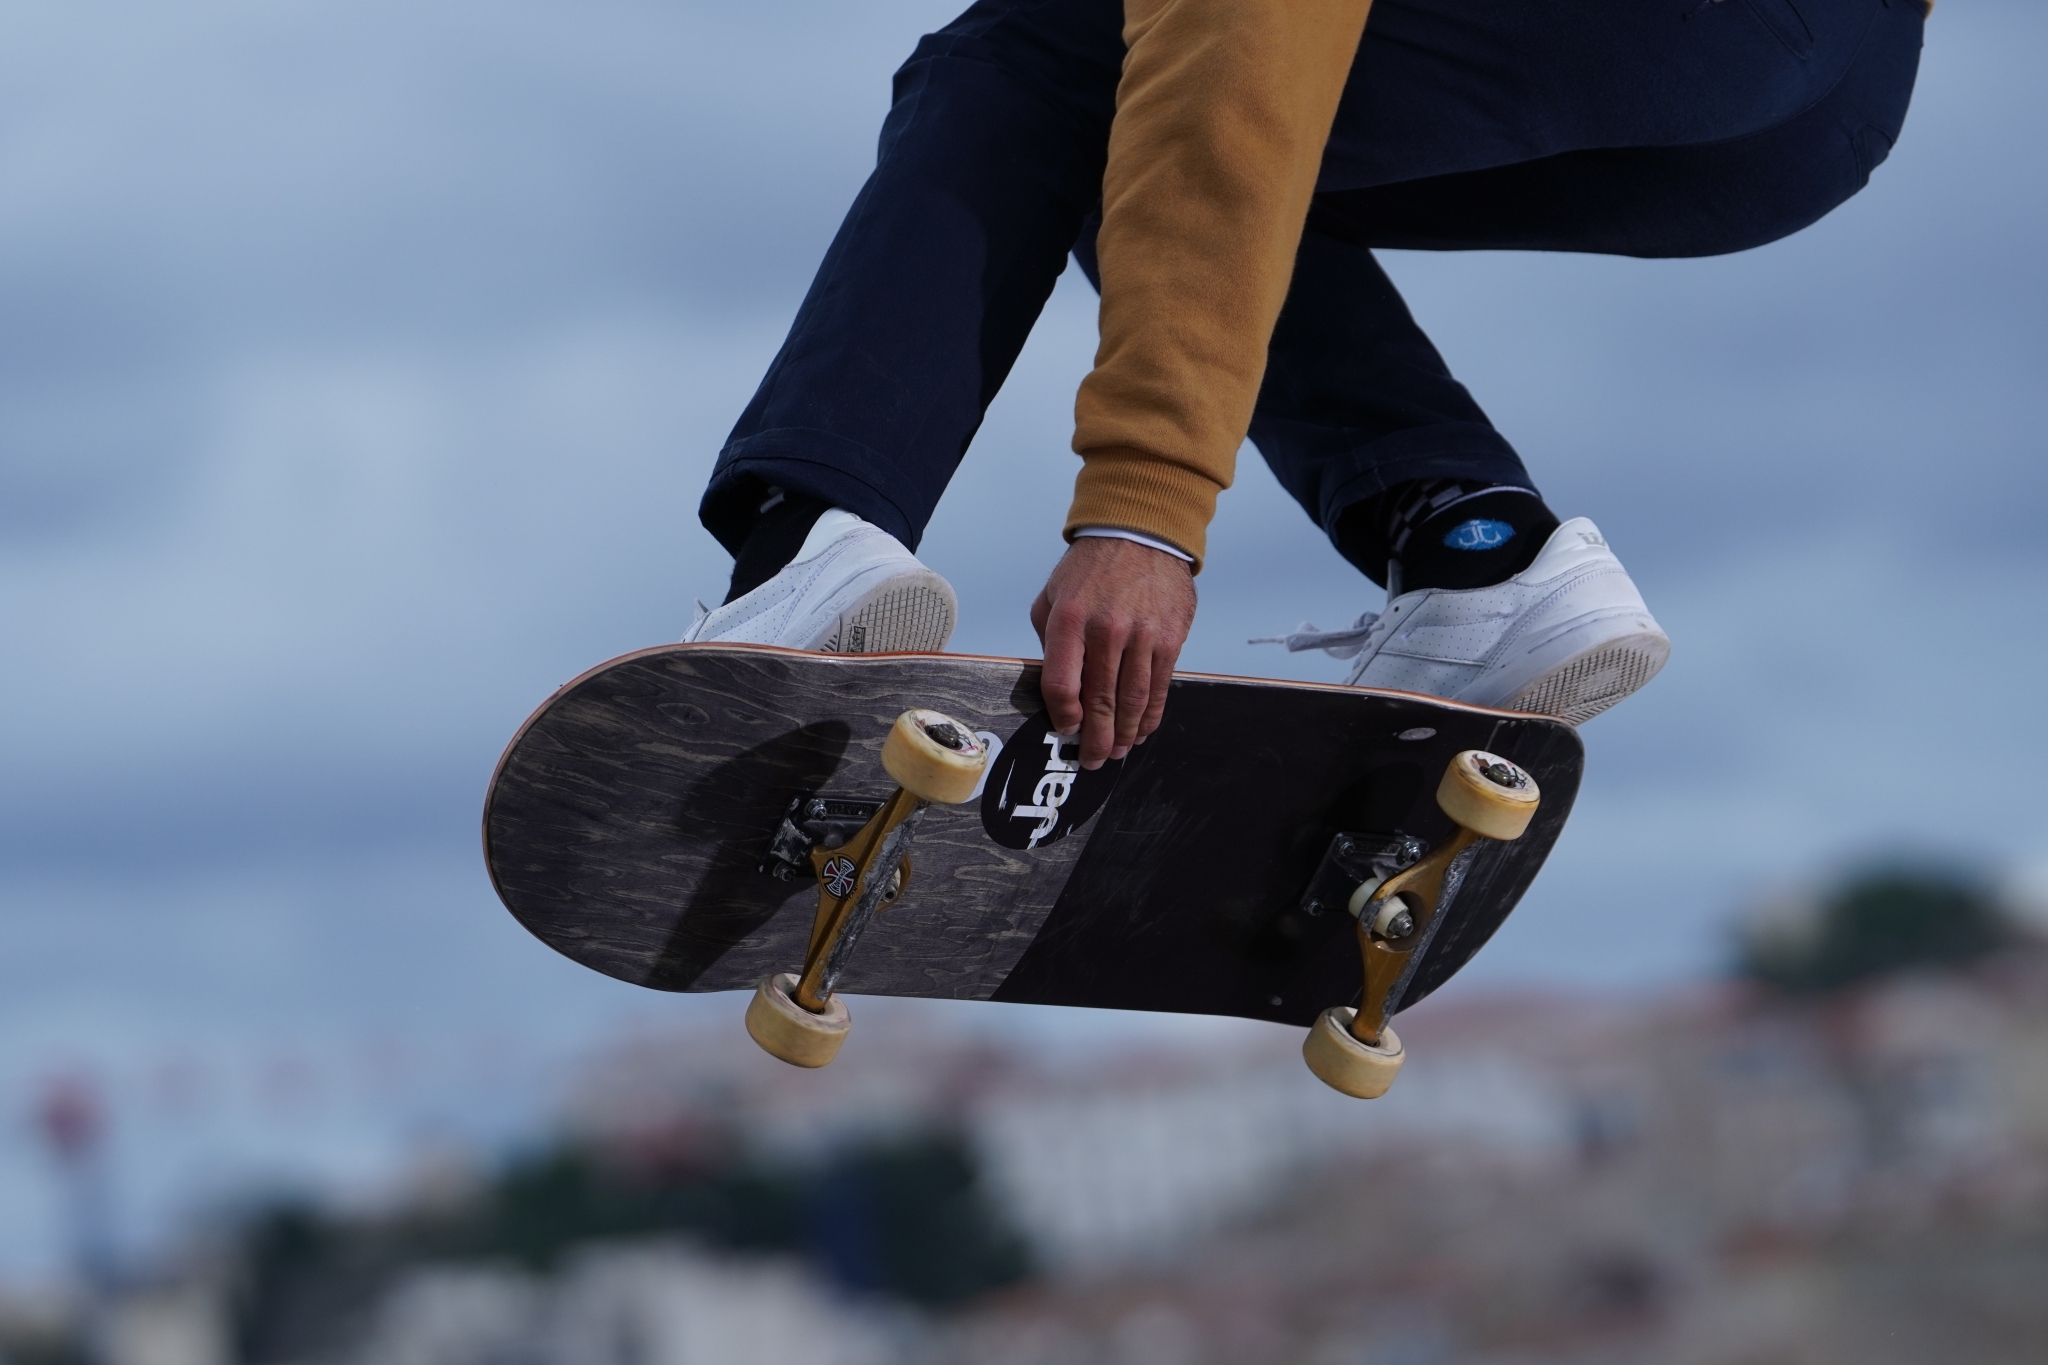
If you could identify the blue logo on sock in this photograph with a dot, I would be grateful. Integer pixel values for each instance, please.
(1480, 534)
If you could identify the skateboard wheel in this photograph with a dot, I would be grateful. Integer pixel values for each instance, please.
(1340, 1061)
(1488, 795)
(934, 757)
(787, 1030)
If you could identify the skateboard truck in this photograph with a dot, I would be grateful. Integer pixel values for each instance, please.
(1354, 1050)
(1357, 860)
(809, 823)
(933, 758)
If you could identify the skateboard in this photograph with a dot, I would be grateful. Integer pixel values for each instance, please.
(712, 817)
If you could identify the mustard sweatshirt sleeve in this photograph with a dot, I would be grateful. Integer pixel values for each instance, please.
(1222, 115)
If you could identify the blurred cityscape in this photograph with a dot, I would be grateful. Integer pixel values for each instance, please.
(1838, 1153)
(362, 364)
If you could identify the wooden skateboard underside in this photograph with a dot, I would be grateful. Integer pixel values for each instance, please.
(628, 821)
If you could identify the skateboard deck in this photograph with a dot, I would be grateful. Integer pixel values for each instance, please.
(651, 821)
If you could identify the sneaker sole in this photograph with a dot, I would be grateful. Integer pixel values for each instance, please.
(1583, 686)
(914, 613)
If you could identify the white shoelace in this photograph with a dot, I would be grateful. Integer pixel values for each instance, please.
(702, 612)
(1338, 644)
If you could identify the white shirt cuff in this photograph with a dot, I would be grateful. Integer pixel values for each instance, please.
(1150, 542)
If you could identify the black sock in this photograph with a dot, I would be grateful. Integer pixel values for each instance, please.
(786, 518)
(1445, 533)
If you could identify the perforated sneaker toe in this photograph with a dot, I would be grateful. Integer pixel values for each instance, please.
(852, 589)
(1569, 636)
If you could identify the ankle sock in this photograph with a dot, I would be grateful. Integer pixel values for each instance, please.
(1445, 533)
(784, 520)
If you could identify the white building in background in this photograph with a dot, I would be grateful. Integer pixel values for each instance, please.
(669, 1305)
(650, 1304)
(181, 1324)
(1124, 1158)
(1097, 1174)
(457, 1315)
(1707, 1114)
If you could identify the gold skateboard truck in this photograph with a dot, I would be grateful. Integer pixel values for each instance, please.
(1354, 1050)
(933, 758)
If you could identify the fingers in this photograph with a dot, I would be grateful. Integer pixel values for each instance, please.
(1116, 691)
(1063, 635)
(1133, 693)
(1097, 681)
(1112, 619)
(1164, 657)
(1099, 674)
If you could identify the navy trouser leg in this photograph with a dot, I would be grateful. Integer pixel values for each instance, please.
(991, 156)
(1694, 199)
(1638, 127)
(1356, 398)
(1684, 129)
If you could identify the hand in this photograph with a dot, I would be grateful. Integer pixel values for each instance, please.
(1112, 618)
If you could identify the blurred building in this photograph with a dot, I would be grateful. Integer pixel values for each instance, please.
(639, 1305)
(1730, 1175)
(1745, 1181)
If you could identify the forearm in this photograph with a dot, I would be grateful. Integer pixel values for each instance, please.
(1222, 115)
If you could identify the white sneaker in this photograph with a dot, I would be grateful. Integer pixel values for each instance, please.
(852, 589)
(1568, 636)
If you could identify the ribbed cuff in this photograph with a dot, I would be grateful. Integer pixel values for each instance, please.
(1141, 492)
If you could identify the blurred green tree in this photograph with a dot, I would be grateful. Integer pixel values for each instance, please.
(909, 1218)
(906, 1217)
(1877, 922)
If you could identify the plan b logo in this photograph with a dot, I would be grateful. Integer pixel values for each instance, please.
(1037, 792)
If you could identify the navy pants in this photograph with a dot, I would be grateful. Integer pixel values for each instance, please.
(1629, 127)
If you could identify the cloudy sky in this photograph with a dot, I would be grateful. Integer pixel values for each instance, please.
(360, 365)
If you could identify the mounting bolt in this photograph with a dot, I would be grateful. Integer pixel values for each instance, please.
(1504, 775)
(1394, 920)
(815, 810)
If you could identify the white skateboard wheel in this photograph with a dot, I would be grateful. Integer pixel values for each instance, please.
(934, 757)
(1488, 795)
(787, 1030)
(1340, 1061)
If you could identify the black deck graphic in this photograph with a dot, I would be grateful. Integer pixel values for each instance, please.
(1037, 792)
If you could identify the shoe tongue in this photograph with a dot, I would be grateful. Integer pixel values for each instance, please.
(834, 523)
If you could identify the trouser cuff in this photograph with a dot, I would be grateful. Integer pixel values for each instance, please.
(817, 463)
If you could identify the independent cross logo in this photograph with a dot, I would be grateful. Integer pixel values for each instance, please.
(839, 876)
